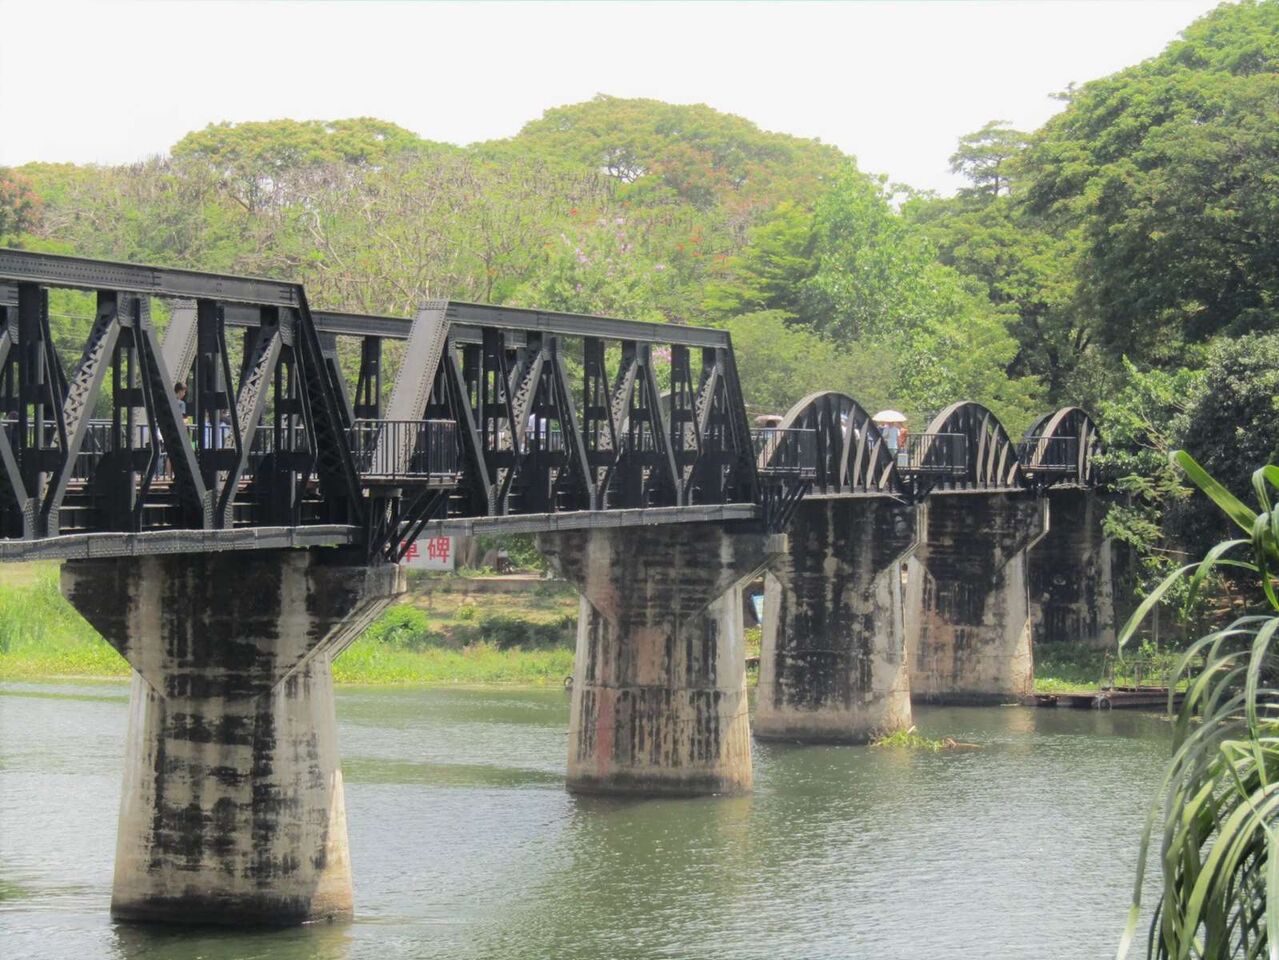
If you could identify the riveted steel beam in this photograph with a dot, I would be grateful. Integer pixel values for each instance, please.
(79, 274)
(467, 319)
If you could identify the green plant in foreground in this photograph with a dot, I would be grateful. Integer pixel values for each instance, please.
(1219, 806)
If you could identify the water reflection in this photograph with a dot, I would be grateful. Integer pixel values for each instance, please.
(314, 942)
(465, 845)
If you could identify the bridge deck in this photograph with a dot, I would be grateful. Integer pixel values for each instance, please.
(155, 542)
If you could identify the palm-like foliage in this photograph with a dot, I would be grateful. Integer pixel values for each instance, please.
(1219, 808)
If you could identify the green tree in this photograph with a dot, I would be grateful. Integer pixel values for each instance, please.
(1028, 271)
(266, 163)
(685, 154)
(780, 363)
(1168, 169)
(1231, 425)
(1141, 426)
(877, 279)
(19, 205)
(985, 157)
(768, 275)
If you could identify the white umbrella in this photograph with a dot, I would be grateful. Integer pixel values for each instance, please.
(889, 416)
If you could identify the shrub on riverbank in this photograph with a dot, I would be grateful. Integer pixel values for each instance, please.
(1062, 667)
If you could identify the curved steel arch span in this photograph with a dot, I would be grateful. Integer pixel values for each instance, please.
(990, 457)
(851, 455)
(1060, 447)
(963, 448)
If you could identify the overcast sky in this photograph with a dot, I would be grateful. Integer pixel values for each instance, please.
(894, 84)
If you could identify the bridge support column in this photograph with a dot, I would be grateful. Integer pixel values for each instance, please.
(967, 604)
(1072, 592)
(659, 698)
(833, 661)
(232, 810)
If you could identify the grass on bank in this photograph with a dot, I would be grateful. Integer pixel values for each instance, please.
(431, 638)
(1067, 668)
(446, 631)
(41, 635)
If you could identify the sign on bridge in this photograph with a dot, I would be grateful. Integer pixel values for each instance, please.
(430, 553)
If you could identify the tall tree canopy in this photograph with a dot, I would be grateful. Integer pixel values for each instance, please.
(19, 205)
(1169, 170)
(984, 159)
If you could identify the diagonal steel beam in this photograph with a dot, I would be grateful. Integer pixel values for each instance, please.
(82, 393)
(250, 404)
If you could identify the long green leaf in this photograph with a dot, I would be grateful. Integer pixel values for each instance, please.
(1234, 508)
(1148, 603)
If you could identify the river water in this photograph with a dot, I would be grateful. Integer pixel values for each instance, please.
(465, 845)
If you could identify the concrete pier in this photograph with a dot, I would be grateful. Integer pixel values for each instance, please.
(232, 810)
(833, 660)
(968, 634)
(1072, 587)
(659, 698)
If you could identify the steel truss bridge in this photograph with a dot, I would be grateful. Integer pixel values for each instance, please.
(499, 420)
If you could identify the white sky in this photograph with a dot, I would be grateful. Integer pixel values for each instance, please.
(894, 84)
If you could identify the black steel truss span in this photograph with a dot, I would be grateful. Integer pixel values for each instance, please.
(110, 447)
(517, 412)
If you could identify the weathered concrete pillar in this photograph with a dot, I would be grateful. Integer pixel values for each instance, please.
(1072, 590)
(232, 810)
(833, 662)
(659, 698)
(967, 604)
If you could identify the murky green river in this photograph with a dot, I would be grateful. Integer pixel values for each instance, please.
(465, 845)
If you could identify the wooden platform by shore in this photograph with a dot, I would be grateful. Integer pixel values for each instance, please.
(1116, 698)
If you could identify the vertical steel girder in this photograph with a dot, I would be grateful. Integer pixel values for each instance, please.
(262, 349)
(368, 387)
(210, 392)
(496, 416)
(725, 470)
(456, 394)
(41, 429)
(280, 480)
(599, 426)
(16, 511)
(686, 434)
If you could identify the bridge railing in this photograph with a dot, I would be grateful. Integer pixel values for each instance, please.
(432, 447)
(547, 438)
(378, 447)
(788, 453)
(1049, 454)
(934, 454)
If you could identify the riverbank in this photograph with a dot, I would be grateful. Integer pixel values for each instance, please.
(446, 631)
(442, 633)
